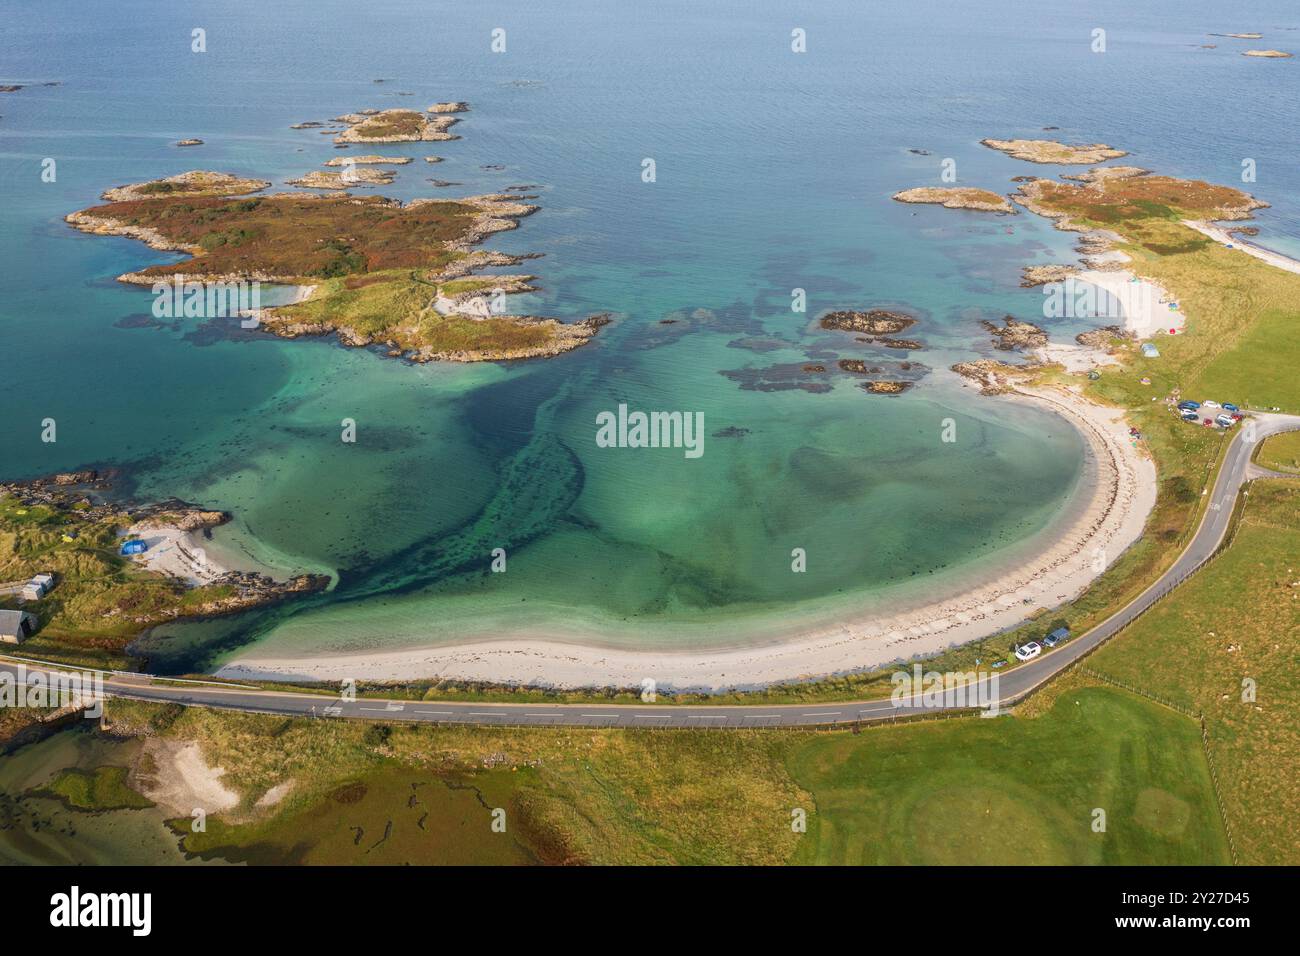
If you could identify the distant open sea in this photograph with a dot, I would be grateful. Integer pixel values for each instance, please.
(774, 171)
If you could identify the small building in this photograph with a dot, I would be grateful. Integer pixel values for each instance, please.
(37, 587)
(16, 626)
(1149, 350)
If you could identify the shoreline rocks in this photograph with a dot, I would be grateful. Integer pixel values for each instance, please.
(993, 377)
(1014, 334)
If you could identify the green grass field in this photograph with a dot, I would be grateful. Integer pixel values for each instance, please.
(1237, 620)
(1281, 453)
(1020, 789)
(1015, 790)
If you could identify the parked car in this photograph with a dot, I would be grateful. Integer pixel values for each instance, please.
(1207, 422)
(1192, 406)
(1224, 420)
(1058, 636)
(1190, 416)
(1027, 652)
(1209, 404)
(1229, 407)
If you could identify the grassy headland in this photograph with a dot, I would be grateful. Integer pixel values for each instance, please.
(375, 265)
(101, 600)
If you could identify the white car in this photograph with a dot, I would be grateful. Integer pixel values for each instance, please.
(1210, 404)
(1027, 652)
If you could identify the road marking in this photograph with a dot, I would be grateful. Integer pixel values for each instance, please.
(829, 713)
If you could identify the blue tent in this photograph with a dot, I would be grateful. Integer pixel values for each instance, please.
(134, 547)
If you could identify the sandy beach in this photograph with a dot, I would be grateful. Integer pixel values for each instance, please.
(1220, 234)
(1116, 493)
(1145, 305)
(177, 553)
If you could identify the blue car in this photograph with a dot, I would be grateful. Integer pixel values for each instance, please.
(1058, 636)
(1229, 407)
(1189, 406)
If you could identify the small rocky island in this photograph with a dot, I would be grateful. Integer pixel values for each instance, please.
(1050, 151)
(368, 161)
(872, 322)
(347, 179)
(957, 197)
(395, 126)
(1269, 54)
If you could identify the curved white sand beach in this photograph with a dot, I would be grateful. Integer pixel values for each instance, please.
(1219, 234)
(1145, 306)
(1119, 485)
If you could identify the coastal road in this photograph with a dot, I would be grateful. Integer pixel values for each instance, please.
(1012, 685)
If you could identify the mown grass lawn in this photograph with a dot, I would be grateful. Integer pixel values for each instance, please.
(1016, 790)
(1238, 620)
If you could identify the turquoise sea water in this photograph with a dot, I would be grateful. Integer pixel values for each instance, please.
(774, 172)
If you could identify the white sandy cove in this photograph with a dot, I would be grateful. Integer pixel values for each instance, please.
(1119, 483)
(1145, 305)
(177, 554)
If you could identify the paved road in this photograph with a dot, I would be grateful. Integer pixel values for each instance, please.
(1012, 685)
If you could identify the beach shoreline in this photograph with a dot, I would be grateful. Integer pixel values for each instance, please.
(1117, 495)
(1225, 236)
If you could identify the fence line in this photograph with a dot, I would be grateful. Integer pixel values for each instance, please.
(1218, 793)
